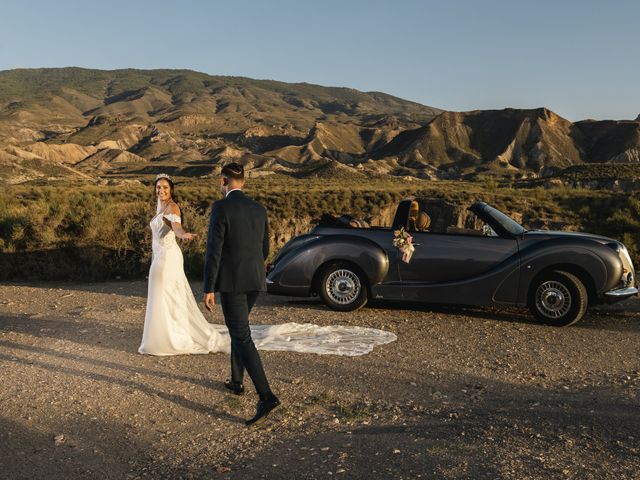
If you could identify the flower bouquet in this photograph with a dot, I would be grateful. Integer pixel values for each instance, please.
(403, 242)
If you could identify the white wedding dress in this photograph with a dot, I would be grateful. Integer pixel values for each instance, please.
(174, 325)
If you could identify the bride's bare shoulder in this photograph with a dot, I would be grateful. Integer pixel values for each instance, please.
(173, 208)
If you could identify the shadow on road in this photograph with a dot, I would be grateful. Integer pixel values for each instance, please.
(604, 318)
(77, 329)
(132, 369)
(509, 431)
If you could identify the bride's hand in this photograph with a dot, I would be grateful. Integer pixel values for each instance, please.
(188, 236)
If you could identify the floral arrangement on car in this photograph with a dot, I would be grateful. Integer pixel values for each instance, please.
(403, 242)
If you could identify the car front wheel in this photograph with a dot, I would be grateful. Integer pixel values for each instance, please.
(342, 287)
(558, 298)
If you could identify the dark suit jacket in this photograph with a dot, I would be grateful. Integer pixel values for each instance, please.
(237, 245)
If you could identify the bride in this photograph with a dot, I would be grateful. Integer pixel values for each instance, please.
(174, 324)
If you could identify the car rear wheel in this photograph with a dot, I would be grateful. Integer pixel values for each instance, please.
(558, 298)
(342, 287)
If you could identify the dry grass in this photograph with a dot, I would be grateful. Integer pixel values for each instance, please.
(93, 232)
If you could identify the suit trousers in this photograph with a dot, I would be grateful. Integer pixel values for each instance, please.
(244, 355)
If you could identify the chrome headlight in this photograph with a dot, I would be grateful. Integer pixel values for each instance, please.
(628, 272)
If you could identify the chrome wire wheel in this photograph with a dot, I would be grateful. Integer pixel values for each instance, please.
(553, 299)
(343, 286)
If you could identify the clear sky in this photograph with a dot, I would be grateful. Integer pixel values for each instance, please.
(581, 59)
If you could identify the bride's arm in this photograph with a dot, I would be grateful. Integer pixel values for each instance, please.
(172, 218)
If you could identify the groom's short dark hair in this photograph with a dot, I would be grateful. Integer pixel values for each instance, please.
(233, 170)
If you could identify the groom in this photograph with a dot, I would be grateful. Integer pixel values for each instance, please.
(237, 246)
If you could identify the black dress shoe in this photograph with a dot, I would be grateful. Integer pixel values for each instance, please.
(236, 387)
(263, 409)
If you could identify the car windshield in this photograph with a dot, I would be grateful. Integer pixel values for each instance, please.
(505, 221)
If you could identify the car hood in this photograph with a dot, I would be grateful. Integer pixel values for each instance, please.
(558, 234)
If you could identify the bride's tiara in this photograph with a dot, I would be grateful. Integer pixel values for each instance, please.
(162, 175)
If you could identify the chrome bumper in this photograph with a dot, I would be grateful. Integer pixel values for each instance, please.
(622, 292)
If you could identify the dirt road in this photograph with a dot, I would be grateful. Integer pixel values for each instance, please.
(462, 393)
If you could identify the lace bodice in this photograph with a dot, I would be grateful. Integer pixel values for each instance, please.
(163, 235)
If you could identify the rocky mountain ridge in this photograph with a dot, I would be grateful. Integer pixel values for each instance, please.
(91, 124)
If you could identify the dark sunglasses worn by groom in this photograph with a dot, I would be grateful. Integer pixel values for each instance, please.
(237, 247)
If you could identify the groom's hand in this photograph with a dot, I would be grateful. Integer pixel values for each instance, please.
(209, 301)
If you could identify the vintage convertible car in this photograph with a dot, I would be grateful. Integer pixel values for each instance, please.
(475, 256)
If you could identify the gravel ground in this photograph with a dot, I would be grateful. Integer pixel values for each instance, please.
(462, 393)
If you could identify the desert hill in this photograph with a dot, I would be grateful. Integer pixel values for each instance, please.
(610, 141)
(187, 122)
(537, 142)
(89, 124)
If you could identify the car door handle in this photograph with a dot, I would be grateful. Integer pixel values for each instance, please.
(416, 244)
